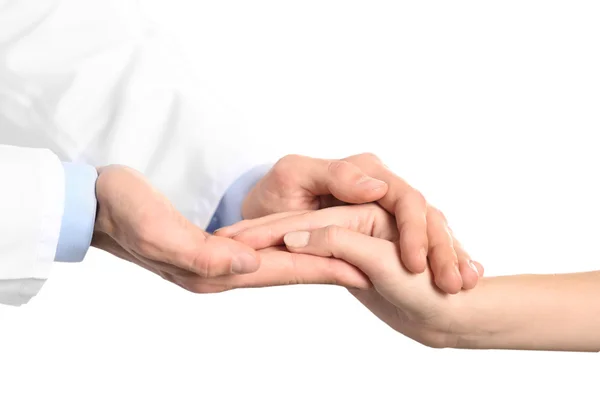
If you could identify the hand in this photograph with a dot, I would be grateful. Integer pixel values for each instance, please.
(302, 183)
(138, 224)
(365, 236)
(297, 183)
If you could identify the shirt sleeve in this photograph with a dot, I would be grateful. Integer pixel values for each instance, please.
(77, 226)
(229, 210)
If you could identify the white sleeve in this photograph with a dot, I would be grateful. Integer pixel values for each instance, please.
(31, 210)
(95, 82)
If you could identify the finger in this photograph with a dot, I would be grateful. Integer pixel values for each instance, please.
(368, 219)
(409, 207)
(342, 179)
(480, 268)
(360, 250)
(224, 256)
(378, 259)
(468, 270)
(442, 257)
(232, 230)
(397, 187)
(207, 256)
(280, 267)
(411, 211)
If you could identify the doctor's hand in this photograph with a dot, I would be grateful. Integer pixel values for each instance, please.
(298, 183)
(366, 237)
(138, 224)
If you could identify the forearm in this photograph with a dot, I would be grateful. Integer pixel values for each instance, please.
(533, 312)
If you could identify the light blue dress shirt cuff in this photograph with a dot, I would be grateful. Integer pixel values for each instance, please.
(229, 210)
(79, 216)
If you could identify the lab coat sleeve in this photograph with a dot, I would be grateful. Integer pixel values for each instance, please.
(31, 210)
(98, 83)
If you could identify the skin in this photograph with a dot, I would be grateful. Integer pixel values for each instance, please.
(131, 223)
(298, 183)
(527, 312)
(137, 223)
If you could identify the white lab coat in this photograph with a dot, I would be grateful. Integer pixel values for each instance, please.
(92, 81)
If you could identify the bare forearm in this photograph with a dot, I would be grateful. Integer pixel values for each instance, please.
(533, 312)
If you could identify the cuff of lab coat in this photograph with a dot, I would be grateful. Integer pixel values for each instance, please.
(229, 210)
(79, 216)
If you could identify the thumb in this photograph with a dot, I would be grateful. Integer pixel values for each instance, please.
(223, 256)
(348, 183)
(371, 255)
(207, 256)
(342, 179)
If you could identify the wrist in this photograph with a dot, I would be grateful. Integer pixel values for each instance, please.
(480, 316)
(103, 224)
(556, 312)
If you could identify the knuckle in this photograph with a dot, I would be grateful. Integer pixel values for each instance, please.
(372, 211)
(442, 253)
(332, 233)
(369, 157)
(337, 167)
(418, 198)
(287, 164)
(366, 220)
(201, 265)
(438, 214)
(284, 171)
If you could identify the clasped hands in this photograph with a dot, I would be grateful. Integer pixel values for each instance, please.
(349, 222)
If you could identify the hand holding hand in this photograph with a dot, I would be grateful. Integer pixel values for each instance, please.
(298, 183)
(138, 224)
(366, 237)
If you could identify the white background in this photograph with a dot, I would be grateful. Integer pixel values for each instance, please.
(492, 109)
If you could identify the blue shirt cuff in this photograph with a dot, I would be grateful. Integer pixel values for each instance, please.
(229, 210)
(79, 215)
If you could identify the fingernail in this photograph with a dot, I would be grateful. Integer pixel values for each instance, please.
(244, 263)
(296, 239)
(370, 183)
(473, 266)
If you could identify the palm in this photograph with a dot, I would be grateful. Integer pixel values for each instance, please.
(411, 304)
(421, 325)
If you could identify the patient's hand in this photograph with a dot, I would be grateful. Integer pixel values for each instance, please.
(365, 236)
